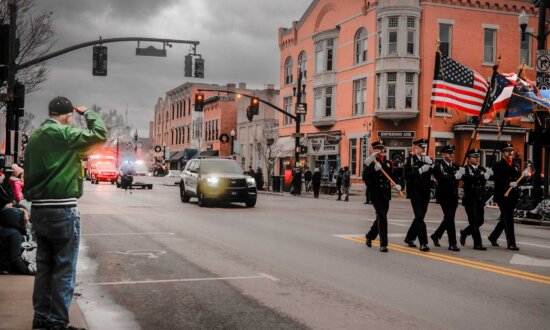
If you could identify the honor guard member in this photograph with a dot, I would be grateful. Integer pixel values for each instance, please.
(447, 175)
(418, 172)
(475, 177)
(505, 177)
(380, 193)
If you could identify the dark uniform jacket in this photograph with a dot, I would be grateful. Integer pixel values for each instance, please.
(503, 175)
(378, 184)
(418, 185)
(474, 184)
(447, 184)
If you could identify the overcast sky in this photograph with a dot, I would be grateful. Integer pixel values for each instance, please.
(238, 40)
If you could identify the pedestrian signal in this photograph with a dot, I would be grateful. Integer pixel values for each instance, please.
(199, 101)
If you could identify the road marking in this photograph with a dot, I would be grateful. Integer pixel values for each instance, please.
(151, 254)
(520, 259)
(129, 234)
(260, 275)
(459, 261)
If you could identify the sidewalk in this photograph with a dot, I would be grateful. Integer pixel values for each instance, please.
(16, 310)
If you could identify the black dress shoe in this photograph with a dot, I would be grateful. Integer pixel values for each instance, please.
(454, 248)
(424, 248)
(383, 249)
(409, 243)
(435, 239)
(368, 241)
(513, 248)
(480, 248)
(462, 238)
(493, 242)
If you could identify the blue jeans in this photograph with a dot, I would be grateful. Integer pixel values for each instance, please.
(57, 236)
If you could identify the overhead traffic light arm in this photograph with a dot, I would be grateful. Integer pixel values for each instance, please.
(104, 41)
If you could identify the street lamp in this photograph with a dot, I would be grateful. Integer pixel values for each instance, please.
(232, 142)
(540, 117)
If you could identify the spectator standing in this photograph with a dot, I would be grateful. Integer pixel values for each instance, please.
(339, 184)
(307, 178)
(346, 183)
(316, 182)
(53, 167)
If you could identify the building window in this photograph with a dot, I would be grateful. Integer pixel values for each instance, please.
(525, 51)
(353, 156)
(302, 64)
(318, 97)
(359, 96)
(442, 110)
(445, 33)
(392, 79)
(361, 45)
(411, 21)
(287, 106)
(393, 22)
(288, 71)
(188, 134)
(324, 56)
(409, 87)
(378, 90)
(393, 25)
(379, 28)
(328, 101)
(410, 42)
(489, 46)
(183, 108)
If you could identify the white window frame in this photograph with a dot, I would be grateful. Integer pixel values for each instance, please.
(359, 96)
(391, 84)
(288, 70)
(522, 51)
(411, 35)
(449, 37)
(360, 46)
(489, 50)
(287, 106)
(324, 101)
(302, 64)
(409, 89)
(393, 47)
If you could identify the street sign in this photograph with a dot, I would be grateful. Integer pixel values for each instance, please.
(151, 51)
(301, 108)
(543, 61)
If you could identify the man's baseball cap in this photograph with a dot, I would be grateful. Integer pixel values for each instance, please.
(60, 105)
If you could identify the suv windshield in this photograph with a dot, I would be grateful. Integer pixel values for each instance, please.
(219, 166)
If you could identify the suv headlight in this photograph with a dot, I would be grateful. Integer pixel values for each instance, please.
(250, 182)
(213, 180)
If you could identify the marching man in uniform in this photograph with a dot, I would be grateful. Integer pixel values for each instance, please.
(380, 190)
(418, 171)
(447, 174)
(475, 177)
(505, 177)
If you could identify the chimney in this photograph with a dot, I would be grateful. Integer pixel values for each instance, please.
(270, 86)
(242, 85)
(231, 85)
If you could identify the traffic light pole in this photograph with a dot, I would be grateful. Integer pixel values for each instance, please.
(12, 6)
(298, 120)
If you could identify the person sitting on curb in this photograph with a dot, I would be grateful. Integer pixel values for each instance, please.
(13, 223)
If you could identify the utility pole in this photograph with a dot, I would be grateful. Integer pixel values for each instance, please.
(12, 8)
(298, 119)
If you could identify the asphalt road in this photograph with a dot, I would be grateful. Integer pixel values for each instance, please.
(149, 261)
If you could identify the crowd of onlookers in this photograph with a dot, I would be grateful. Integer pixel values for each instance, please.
(17, 248)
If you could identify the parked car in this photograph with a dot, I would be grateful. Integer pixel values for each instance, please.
(139, 172)
(104, 171)
(216, 180)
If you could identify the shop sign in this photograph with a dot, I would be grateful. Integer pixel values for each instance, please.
(320, 146)
(397, 134)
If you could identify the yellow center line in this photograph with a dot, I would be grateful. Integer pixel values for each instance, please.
(464, 262)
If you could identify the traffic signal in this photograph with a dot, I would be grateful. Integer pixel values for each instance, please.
(188, 70)
(249, 113)
(255, 105)
(199, 101)
(4, 51)
(99, 65)
(199, 68)
(19, 99)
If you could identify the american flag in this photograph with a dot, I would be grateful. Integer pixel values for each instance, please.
(456, 86)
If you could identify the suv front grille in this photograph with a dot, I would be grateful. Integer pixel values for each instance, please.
(234, 183)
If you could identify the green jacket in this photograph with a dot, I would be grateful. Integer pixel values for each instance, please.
(53, 160)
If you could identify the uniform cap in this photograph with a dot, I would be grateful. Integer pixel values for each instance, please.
(378, 145)
(448, 149)
(507, 146)
(421, 143)
(473, 153)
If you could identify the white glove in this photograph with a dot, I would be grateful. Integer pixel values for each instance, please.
(424, 169)
(398, 187)
(428, 160)
(377, 167)
(513, 184)
(489, 171)
(462, 170)
(371, 158)
(32, 268)
(526, 172)
(487, 176)
(458, 175)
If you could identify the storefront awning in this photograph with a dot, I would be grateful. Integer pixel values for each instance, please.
(284, 147)
(189, 153)
(212, 153)
(176, 156)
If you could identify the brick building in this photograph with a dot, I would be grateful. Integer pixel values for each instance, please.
(368, 68)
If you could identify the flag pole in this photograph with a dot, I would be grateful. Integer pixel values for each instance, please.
(501, 128)
(438, 60)
(482, 111)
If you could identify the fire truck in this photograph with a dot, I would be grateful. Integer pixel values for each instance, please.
(101, 166)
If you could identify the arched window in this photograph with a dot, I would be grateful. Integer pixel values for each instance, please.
(360, 46)
(302, 64)
(288, 71)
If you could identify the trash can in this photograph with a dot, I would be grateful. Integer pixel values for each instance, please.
(276, 182)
